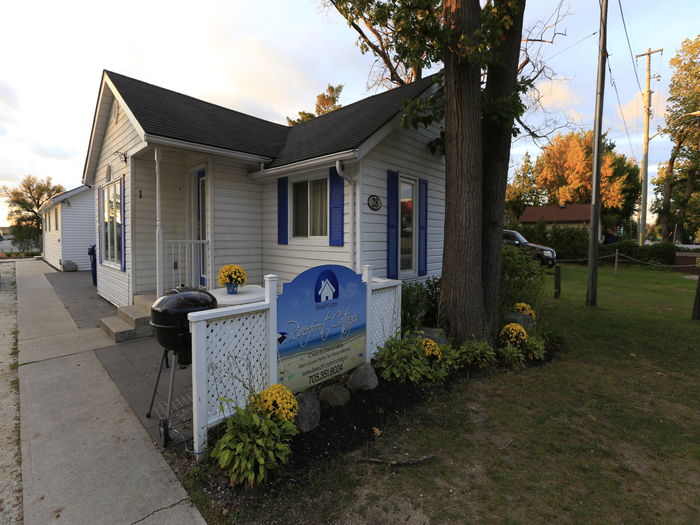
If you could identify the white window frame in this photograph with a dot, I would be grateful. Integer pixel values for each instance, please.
(47, 221)
(106, 256)
(290, 207)
(413, 271)
(56, 219)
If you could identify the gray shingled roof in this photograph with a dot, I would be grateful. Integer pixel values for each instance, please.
(165, 113)
(173, 115)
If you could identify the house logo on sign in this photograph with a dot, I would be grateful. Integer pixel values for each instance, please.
(326, 288)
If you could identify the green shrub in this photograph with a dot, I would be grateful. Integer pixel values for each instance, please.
(432, 290)
(253, 445)
(407, 359)
(569, 242)
(522, 279)
(477, 354)
(414, 304)
(510, 356)
(534, 348)
(659, 253)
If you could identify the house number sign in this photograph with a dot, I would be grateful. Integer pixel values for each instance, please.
(374, 202)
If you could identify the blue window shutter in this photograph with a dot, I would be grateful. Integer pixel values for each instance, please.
(422, 227)
(335, 209)
(282, 211)
(392, 224)
(122, 203)
(100, 219)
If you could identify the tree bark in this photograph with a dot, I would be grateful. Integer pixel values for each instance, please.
(462, 302)
(665, 214)
(501, 82)
(683, 204)
(696, 304)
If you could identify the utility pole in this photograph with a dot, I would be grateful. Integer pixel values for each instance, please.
(592, 294)
(642, 227)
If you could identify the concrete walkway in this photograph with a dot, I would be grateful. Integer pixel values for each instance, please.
(86, 459)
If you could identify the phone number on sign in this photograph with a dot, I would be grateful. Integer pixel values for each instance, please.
(325, 374)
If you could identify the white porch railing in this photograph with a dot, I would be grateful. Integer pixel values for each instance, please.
(185, 264)
(234, 350)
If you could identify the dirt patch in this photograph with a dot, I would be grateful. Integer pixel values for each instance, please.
(10, 465)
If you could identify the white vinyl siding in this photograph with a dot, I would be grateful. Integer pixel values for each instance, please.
(112, 283)
(405, 151)
(51, 240)
(289, 260)
(78, 228)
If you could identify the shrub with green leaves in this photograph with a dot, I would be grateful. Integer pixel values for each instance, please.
(510, 356)
(405, 360)
(478, 354)
(522, 279)
(414, 303)
(534, 348)
(253, 445)
(432, 291)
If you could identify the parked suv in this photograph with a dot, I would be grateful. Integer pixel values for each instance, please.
(546, 255)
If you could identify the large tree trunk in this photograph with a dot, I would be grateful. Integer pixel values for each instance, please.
(462, 302)
(501, 83)
(665, 214)
(683, 204)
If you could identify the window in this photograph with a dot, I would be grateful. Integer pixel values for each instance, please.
(112, 224)
(56, 222)
(407, 225)
(47, 219)
(310, 208)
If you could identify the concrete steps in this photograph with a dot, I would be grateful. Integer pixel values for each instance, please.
(131, 322)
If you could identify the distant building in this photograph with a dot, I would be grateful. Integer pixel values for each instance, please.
(566, 215)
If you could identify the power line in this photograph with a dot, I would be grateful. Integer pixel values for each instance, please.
(619, 105)
(629, 46)
(572, 45)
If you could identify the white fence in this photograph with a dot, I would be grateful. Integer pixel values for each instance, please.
(184, 263)
(234, 349)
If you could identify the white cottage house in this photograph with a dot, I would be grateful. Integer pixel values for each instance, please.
(68, 221)
(185, 186)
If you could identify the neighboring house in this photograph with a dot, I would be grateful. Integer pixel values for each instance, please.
(566, 215)
(184, 186)
(68, 222)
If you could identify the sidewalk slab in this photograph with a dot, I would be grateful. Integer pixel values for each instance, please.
(85, 455)
(67, 343)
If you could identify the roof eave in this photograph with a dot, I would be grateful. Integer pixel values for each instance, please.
(203, 148)
(281, 171)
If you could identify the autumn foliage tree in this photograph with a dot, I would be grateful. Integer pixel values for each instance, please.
(563, 172)
(522, 190)
(325, 103)
(677, 184)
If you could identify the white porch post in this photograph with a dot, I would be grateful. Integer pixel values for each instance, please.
(159, 233)
(367, 278)
(271, 299)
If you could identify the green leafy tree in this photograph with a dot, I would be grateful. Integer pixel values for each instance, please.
(325, 103)
(474, 44)
(677, 181)
(24, 202)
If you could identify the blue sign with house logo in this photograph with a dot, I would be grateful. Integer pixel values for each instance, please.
(321, 321)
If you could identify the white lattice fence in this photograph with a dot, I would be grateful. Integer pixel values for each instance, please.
(384, 314)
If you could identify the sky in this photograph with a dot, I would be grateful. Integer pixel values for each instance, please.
(270, 58)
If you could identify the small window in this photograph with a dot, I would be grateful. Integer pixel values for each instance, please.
(112, 223)
(56, 221)
(407, 198)
(47, 221)
(310, 208)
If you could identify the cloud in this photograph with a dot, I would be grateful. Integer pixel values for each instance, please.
(52, 152)
(558, 95)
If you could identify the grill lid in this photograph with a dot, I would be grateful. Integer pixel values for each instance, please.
(178, 302)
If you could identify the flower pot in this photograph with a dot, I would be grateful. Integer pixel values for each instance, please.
(231, 288)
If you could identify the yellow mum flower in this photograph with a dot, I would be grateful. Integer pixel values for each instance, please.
(513, 333)
(431, 348)
(278, 400)
(232, 273)
(524, 308)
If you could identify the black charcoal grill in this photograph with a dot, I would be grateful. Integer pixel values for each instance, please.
(172, 329)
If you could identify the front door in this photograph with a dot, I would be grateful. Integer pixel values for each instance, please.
(200, 226)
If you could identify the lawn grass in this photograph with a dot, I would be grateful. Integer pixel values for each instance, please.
(608, 432)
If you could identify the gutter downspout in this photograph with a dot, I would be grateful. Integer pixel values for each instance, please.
(352, 180)
(159, 233)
